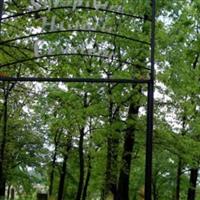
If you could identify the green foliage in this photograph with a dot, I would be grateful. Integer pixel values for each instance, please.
(43, 119)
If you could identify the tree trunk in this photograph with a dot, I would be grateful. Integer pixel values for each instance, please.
(81, 154)
(8, 192)
(84, 196)
(52, 174)
(110, 187)
(110, 183)
(2, 148)
(129, 139)
(2, 183)
(81, 163)
(62, 178)
(178, 180)
(12, 196)
(193, 183)
(64, 171)
(56, 141)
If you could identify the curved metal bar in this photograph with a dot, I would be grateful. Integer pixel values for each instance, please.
(76, 30)
(73, 80)
(69, 54)
(78, 7)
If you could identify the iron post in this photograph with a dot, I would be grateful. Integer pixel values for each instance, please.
(150, 110)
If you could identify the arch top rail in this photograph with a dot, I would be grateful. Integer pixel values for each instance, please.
(76, 30)
(74, 80)
(120, 13)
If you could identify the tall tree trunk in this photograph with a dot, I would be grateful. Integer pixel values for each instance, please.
(7, 88)
(81, 154)
(178, 180)
(110, 187)
(110, 182)
(2, 147)
(84, 196)
(179, 167)
(8, 192)
(193, 184)
(52, 174)
(81, 164)
(62, 178)
(53, 165)
(129, 139)
(64, 171)
(2, 182)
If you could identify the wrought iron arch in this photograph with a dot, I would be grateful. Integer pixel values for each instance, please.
(151, 70)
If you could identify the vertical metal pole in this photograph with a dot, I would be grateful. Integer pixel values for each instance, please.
(150, 110)
(1, 9)
(1, 13)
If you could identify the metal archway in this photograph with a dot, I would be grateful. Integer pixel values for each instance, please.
(149, 82)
